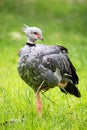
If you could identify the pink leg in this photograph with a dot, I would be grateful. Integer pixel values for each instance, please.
(38, 103)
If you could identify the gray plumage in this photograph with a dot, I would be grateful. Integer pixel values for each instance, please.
(49, 65)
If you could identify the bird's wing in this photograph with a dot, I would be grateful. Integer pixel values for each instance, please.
(61, 62)
(54, 61)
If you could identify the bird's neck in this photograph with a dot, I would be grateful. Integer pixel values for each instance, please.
(29, 41)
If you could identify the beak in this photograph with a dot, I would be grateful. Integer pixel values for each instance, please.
(40, 37)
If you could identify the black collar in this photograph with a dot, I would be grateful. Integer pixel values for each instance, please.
(30, 44)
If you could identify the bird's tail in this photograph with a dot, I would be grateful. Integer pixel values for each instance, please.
(71, 89)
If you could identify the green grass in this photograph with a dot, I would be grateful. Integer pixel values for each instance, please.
(63, 23)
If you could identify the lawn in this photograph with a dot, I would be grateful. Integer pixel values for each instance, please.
(63, 22)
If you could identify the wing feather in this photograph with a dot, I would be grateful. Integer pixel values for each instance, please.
(62, 62)
(59, 61)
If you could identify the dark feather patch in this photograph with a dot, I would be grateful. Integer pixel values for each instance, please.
(75, 78)
(71, 89)
(30, 44)
(63, 49)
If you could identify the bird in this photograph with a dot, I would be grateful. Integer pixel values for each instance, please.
(43, 66)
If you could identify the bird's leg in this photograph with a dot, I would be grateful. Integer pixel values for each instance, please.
(38, 103)
(38, 100)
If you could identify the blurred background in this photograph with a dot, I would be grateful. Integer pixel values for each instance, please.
(63, 22)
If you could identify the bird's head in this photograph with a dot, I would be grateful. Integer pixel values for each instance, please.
(33, 33)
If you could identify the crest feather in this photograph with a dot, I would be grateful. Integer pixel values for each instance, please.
(26, 28)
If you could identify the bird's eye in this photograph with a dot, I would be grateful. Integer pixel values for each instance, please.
(35, 33)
